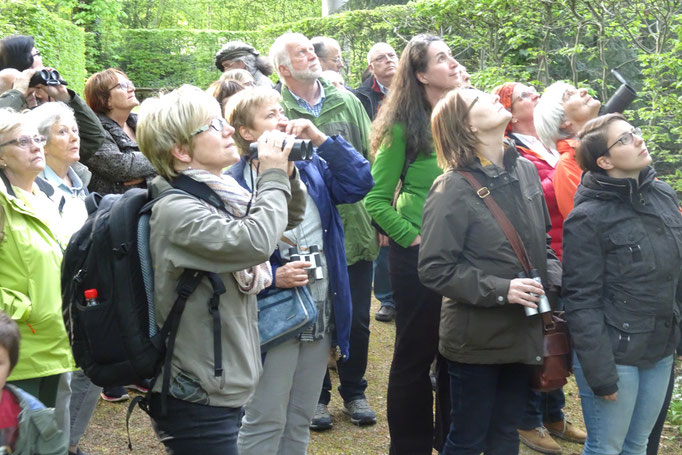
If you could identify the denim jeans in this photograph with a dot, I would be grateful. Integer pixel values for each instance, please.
(352, 371)
(487, 406)
(192, 428)
(382, 280)
(623, 426)
(543, 407)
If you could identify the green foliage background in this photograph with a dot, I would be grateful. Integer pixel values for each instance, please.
(158, 44)
(61, 43)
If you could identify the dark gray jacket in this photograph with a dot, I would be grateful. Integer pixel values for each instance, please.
(622, 268)
(118, 160)
(465, 256)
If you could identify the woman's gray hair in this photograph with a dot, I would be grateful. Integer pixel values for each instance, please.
(549, 114)
(9, 121)
(278, 51)
(47, 114)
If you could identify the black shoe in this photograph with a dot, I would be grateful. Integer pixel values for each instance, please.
(386, 313)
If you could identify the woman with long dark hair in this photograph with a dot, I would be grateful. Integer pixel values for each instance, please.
(404, 155)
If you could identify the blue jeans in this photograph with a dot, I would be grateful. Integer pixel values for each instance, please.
(487, 406)
(193, 428)
(382, 280)
(543, 406)
(623, 426)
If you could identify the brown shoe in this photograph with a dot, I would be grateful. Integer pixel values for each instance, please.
(539, 440)
(566, 430)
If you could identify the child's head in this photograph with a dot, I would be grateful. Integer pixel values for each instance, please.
(9, 346)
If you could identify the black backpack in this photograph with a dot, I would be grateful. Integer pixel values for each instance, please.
(116, 340)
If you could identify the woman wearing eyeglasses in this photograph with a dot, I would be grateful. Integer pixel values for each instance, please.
(184, 136)
(31, 255)
(118, 165)
(488, 340)
(621, 285)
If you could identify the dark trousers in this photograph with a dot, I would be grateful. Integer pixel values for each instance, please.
(655, 436)
(410, 394)
(352, 371)
(487, 407)
(44, 389)
(192, 428)
(543, 406)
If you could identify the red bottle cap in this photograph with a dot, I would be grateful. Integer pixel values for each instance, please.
(90, 294)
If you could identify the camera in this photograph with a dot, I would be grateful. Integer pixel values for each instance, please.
(47, 77)
(623, 97)
(313, 256)
(543, 304)
(301, 151)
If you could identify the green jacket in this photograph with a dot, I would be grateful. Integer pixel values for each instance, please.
(343, 114)
(403, 224)
(30, 291)
(38, 431)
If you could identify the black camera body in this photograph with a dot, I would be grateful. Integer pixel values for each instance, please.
(623, 97)
(48, 77)
(313, 256)
(301, 151)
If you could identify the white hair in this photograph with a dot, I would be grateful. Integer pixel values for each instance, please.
(374, 49)
(278, 51)
(47, 114)
(549, 114)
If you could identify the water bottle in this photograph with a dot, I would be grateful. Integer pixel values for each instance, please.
(91, 297)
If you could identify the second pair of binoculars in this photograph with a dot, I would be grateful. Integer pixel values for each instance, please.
(302, 150)
(313, 256)
(543, 304)
(47, 77)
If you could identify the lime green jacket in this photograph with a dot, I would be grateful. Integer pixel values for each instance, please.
(343, 114)
(30, 290)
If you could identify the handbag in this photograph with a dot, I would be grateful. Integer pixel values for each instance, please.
(557, 362)
(283, 313)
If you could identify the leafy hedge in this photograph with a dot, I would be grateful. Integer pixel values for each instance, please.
(61, 43)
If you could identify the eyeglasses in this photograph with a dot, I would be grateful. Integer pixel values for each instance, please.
(36, 54)
(336, 59)
(384, 57)
(525, 95)
(627, 138)
(217, 124)
(125, 86)
(25, 141)
(471, 105)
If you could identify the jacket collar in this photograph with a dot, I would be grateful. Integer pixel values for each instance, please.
(601, 186)
(332, 99)
(510, 158)
(117, 133)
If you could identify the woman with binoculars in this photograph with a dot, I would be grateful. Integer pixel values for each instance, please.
(486, 336)
(277, 419)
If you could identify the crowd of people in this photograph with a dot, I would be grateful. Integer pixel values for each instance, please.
(392, 202)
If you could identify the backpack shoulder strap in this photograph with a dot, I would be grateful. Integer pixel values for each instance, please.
(199, 190)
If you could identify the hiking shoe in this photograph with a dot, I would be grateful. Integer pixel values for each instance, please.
(322, 420)
(539, 440)
(360, 412)
(386, 313)
(137, 387)
(566, 430)
(113, 394)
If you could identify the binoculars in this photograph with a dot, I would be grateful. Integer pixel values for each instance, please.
(313, 256)
(301, 151)
(47, 77)
(623, 97)
(543, 305)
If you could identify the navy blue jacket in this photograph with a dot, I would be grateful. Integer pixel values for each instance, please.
(337, 174)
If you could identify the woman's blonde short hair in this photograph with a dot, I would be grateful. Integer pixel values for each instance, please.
(241, 110)
(453, 138)
(168, 120)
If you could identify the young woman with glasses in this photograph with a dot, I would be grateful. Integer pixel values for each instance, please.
(621, 286)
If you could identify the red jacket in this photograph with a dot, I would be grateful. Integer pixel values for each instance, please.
(546, 172)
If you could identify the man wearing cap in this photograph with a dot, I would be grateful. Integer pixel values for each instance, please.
(238, 54)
